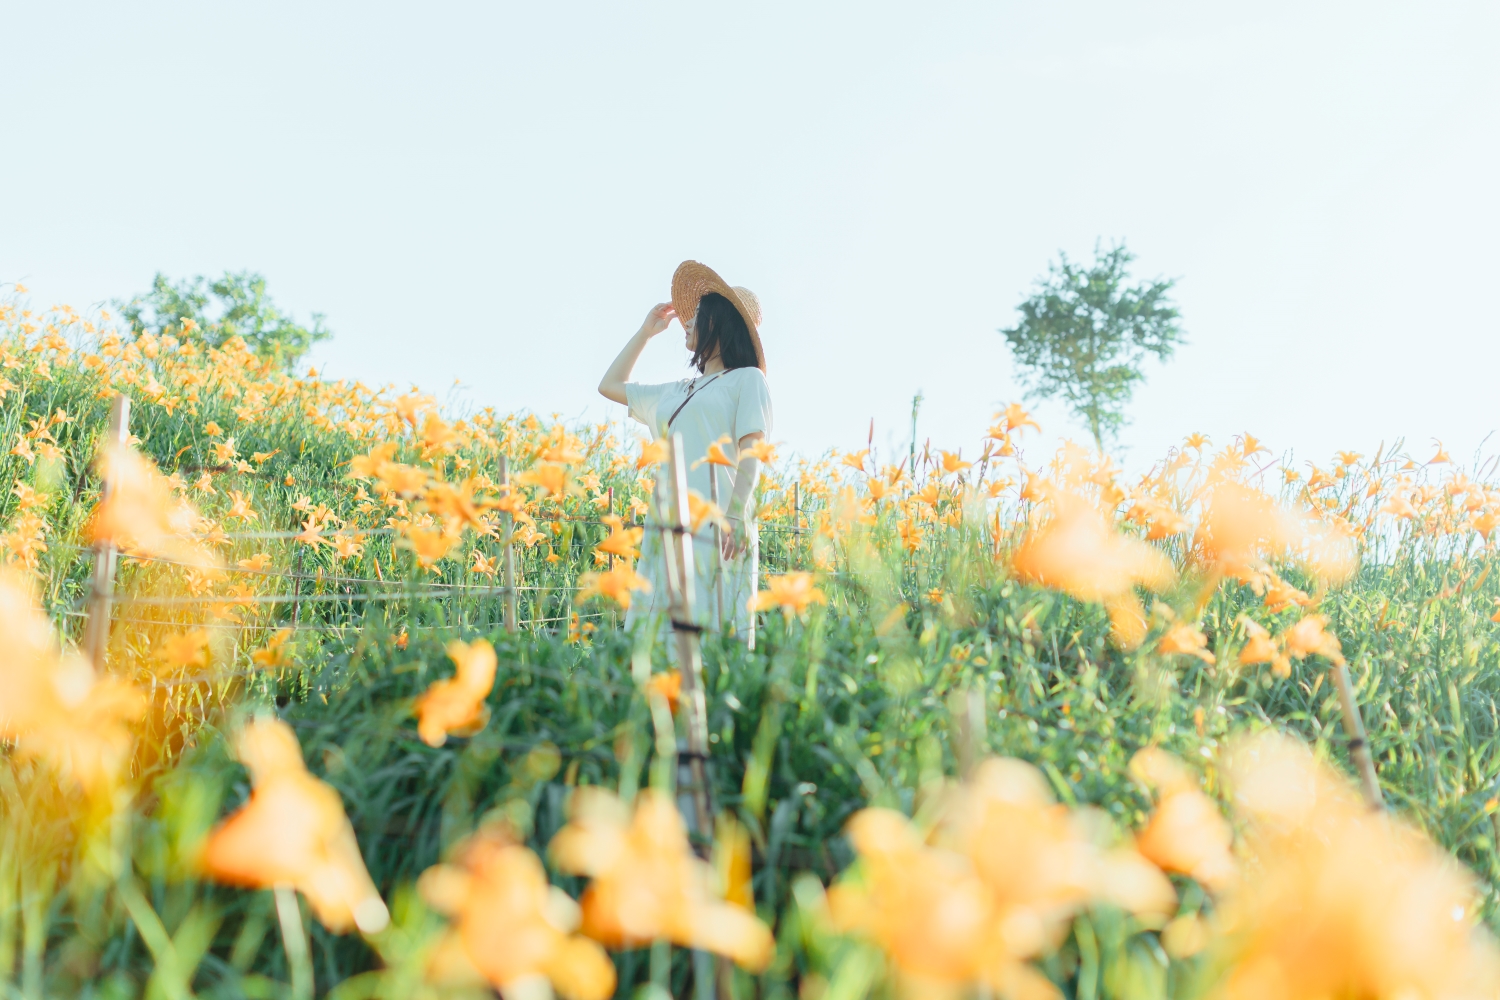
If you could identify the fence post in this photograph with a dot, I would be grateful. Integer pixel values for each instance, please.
(508, 553)
(610, 512)
(1359, 745)
(102, 586)
(681, 579)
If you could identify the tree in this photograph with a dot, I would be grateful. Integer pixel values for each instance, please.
(235, 305)
(1084, 334)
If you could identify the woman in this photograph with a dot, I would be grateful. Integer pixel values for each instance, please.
(728, 403)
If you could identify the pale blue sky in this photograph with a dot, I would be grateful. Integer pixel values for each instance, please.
(498, 193)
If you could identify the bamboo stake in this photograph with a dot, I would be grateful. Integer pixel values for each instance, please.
(713, 496)
(1359, 746)
(680, 580)
(106, 556)
(508, 555)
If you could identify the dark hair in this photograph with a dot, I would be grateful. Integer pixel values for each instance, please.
(721, 330)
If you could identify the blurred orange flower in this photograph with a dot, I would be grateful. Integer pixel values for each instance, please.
(616, 584)
(1078, 552)
(994, 885)
(1185, 639)
(1344, 902)
(668, 686)
(645, 882)
(456, 706)
(792, 592)
(510, 926)
(293, 832)
(715, 454)
(653, 453)
(53, 704)
(1309, 636)
(622, 541)
(141, 514)
(1187, 833)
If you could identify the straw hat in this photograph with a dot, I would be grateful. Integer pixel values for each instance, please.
(693, 280)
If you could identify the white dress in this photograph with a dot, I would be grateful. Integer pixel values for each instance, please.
(731, 404)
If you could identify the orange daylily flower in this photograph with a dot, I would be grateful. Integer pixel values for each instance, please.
(276, 651)
(993, 886)
(141, 514)
(293, 832)
(668, 685)
(715, 454)
(622, 541)
(856, 459)
(953, 463)
(429, 545)
(189, 649)
(1185, 639)
(1281, 595)
(347, 546)
(701, 510)
(509, 925)
(402, 480)
(616, 584)
(255, 563)
(551, 477)
(456, 706)
(653, 453)
(53, 704)
(1308, 636)
(368, 466)
(1016, 418)
(1187, 833)
(760, 449)
(1078, 552)
(645, 882)
(312, 534)
(455, 503)
(1258, 646)
(1399, 506)
(241, 509)
(1344, 902)
(1441, 457)
(791, 592)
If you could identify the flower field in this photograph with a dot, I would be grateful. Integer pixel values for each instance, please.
(315, 689)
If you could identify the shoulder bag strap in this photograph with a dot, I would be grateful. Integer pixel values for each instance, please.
(690, 396)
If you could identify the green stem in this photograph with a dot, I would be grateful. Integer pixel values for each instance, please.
(294, 939)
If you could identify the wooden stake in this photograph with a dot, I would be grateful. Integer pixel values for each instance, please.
(1359, 746)
(713, 495)
(680, 581)
(102, 586)
(508, 555)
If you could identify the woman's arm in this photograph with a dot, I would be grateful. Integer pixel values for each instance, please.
(745, 477)
(612, 385)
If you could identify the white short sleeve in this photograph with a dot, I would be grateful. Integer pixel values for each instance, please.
(643, 401)
(753, 411)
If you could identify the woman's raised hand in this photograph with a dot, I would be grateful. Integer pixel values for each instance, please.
(658, 319)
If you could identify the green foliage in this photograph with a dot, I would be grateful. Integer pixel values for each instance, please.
(869, 700)
(211, 312)
(1085, 332)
